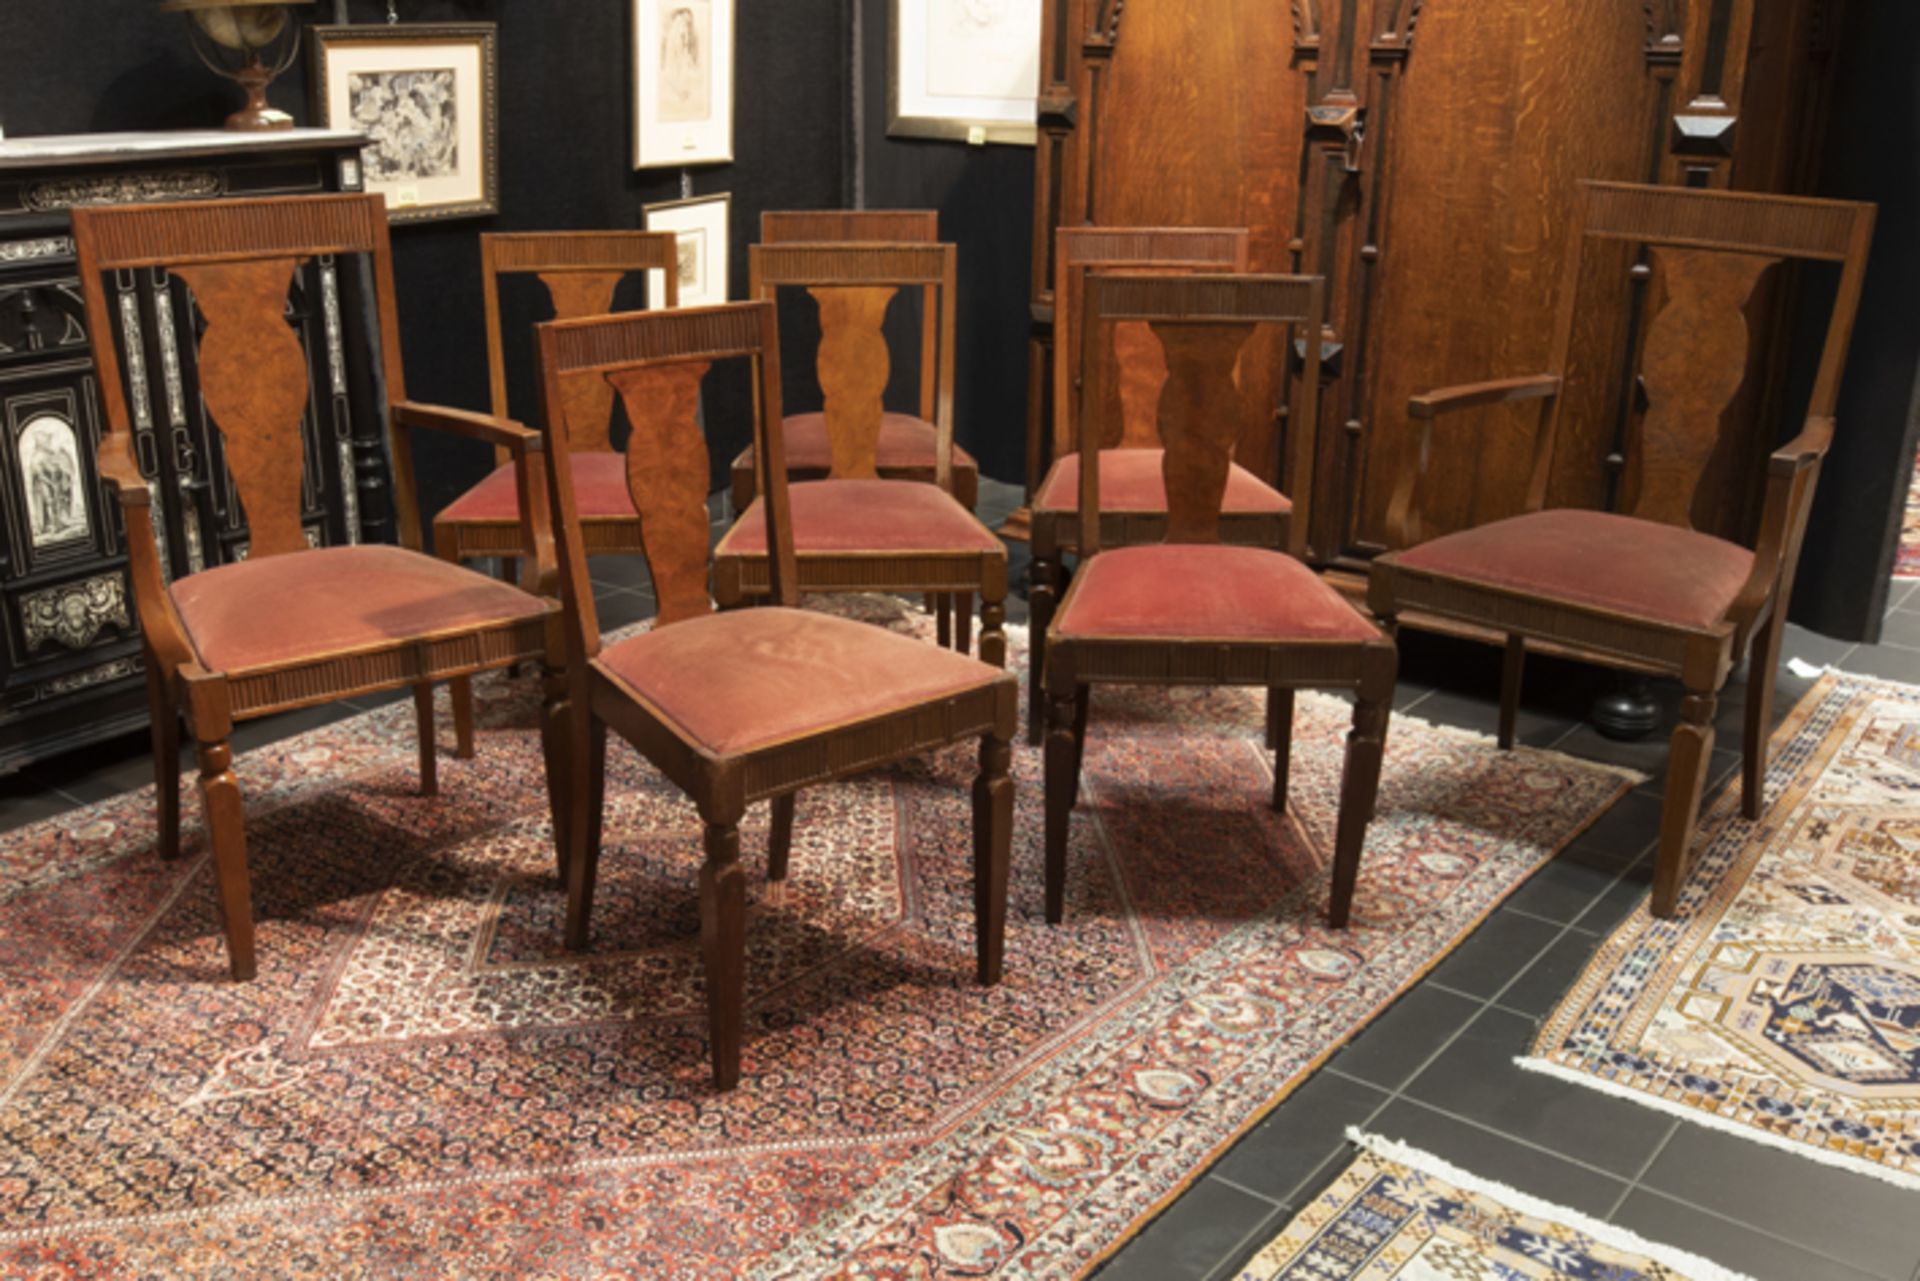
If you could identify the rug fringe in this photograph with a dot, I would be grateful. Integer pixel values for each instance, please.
(1692, 1266)
(1839, 1160)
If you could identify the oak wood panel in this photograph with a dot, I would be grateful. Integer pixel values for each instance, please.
(1503, 108)
(666, 474)
(852, 368)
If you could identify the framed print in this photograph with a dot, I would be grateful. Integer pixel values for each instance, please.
(964, 69)
(426, 96)
(701, 225)
(682, 82)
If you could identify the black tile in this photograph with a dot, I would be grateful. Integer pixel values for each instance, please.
(629, 572)
(1812, 647)
(1647, 755)
(1493, 954)
(1620, 899)
(1476, 1079)
(1481, 1152)
(1627, 829)
(1850, 1217)
(619, 608)
(1731, 1245)
(1570, 884)
(99, 771)
(1885, 662)
(1198, 1231)
(1540, 987)
(1400, 1042)
(1464, 711)
(1299, 1136)
(25, 800)
(1408, 693)
(271, 729)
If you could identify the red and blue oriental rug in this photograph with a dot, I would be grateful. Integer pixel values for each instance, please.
(423, 1082)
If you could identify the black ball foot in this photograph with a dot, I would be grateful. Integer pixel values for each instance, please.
(1629, 713)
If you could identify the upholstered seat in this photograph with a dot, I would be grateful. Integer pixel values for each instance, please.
(739, 681)
(599, 482)
(900, 516)
(1206, 591)
(284, 609)
(1131, 481)
(1595, 559)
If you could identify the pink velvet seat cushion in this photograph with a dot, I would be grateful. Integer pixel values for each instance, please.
(1210, 591)
(865, 515)
(905, 441)
(1131, 481)
(599, 490)
(746, 679)
(309, 605)
(1599, 560)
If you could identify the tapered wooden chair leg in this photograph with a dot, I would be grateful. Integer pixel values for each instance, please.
(1359, 790)
(1082, 706)
(1687, 762)
(1042, 582)
(780, 845)
(1761, 663)
(1061, 780)
(992, 854)
(963, 622)
(993, 635)
(580, 858)
(723, 940)
(460, 690)
(1280, 742)
(1512, 670)
(555, 727)
(423, 718)
(226, 831)
(165, 727)
(943, 619)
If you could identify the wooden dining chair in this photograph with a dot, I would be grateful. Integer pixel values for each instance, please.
(1135, 502)
(289, 625)
(580, 270)
(1191, 609)
(745, 705)
(1641, 587)
(856, 530)
(908, 443)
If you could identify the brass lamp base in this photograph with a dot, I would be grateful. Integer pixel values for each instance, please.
(257, 116)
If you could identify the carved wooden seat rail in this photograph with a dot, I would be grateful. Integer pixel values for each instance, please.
(287, 626)
(1643, 587)
(742, 705)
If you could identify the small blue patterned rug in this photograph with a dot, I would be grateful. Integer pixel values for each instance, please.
(1397, 1214)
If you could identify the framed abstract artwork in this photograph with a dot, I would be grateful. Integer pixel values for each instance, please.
(967, 70)
(700, 224)
(682, 82)
(426, 95)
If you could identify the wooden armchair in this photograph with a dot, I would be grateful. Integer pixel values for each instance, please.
(856, 530)
(1191, 609)
(740, 706)
(1640, 587)
(1135, 506)
(289, 626)
(908, 443)
(581, 270)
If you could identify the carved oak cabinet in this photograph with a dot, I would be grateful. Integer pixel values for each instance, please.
(1423, 156)
(70, 666)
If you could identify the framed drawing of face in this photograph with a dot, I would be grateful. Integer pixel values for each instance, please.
(682, 82)
(964, 69)
(425, 94)
(701, 227)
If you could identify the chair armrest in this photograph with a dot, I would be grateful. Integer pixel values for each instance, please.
(503, 432)
(1792, 472)
(1499, 391)
(165, 636)
(119, 470)
(1403, 513)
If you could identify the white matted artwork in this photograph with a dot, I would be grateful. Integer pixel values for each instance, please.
(700, 227)
(964, 69)
(682, 82)
(56, 485)
(425, 96)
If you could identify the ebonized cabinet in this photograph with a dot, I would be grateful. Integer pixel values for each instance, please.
(70, 666)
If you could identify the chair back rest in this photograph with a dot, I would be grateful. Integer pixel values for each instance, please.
(580, 270)
(656, 361)
(239, 258)
(1126, 419)
(853, 283)
(1201, 323)
(840, 226)
(1707, 252)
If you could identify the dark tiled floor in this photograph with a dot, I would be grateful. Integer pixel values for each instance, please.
(1436, 1069)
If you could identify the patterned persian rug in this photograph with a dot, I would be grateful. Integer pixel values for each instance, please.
(1906, 558)
(422, 1079)
(1397, 1214)
(1784, 1005)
